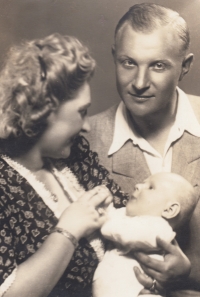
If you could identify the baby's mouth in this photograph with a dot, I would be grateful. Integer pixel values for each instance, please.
(132, 197)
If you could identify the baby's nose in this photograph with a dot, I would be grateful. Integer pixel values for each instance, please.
(138, 187)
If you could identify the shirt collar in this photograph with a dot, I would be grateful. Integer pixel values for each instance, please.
(185, 121)
(122, 129)
(185, 116)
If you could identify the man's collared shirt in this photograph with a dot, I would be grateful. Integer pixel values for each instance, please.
(185, 121)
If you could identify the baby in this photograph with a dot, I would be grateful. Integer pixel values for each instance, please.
(161, 204)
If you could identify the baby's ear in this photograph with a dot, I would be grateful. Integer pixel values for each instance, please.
(171, 210)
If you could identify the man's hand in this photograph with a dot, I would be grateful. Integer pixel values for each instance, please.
(147, 282)
(175, 267)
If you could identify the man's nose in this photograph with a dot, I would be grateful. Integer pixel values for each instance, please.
(141, 80)
(86, 125)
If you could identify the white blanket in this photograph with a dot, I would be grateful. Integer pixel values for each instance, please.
(114, 276)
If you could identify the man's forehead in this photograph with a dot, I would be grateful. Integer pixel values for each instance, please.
(165, 31)
(159, 44)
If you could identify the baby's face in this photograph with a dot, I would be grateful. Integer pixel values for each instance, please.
(151, 196)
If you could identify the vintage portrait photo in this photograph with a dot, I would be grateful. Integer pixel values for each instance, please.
(99, 148)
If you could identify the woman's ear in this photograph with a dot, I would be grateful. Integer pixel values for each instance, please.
(186, 64)
(113, 52)
(171, 210)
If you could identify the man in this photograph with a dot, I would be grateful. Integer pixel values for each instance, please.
(156, 126)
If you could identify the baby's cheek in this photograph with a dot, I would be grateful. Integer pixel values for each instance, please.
(130, 208)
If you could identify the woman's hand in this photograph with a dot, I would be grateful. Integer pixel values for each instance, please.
(40, 272)
(175, 267)
(81, 218)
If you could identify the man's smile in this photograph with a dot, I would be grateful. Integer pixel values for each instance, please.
(141, 98)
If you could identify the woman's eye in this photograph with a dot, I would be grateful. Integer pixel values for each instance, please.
(83, 112)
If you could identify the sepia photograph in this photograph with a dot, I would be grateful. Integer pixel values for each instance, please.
(99, 148)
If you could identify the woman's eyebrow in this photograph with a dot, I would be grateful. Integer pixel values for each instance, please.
(84, 106)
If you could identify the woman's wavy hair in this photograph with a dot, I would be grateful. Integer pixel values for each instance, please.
(37, 76)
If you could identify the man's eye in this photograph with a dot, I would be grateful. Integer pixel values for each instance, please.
(159, 66)
(128, 63)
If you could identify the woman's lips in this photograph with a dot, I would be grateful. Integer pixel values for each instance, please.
(74, 137)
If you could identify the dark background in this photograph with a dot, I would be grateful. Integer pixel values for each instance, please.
(93, 22)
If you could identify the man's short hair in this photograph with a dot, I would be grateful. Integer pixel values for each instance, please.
(146, 17)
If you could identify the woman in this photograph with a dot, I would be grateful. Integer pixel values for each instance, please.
(48, 245)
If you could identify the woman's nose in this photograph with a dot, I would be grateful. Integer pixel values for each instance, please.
(86, 125)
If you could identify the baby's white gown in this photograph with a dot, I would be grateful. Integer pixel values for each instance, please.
(114, 276)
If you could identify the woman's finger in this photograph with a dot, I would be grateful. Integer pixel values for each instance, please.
(101, 197)
(108, 200)
(89, 194)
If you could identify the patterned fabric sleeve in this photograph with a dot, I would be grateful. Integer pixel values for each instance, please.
(26, 221)
(85, 165)
(7, 253)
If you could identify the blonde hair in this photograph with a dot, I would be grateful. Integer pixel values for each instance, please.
(38, 75)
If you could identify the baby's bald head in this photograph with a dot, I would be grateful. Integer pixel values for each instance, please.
(185, 195)
(168, 195)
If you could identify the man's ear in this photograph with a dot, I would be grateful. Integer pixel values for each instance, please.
(171, 210)
(186, 64)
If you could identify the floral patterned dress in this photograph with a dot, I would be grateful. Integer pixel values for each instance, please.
(28, 212)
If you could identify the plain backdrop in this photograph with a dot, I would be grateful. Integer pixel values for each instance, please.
(93, 22)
